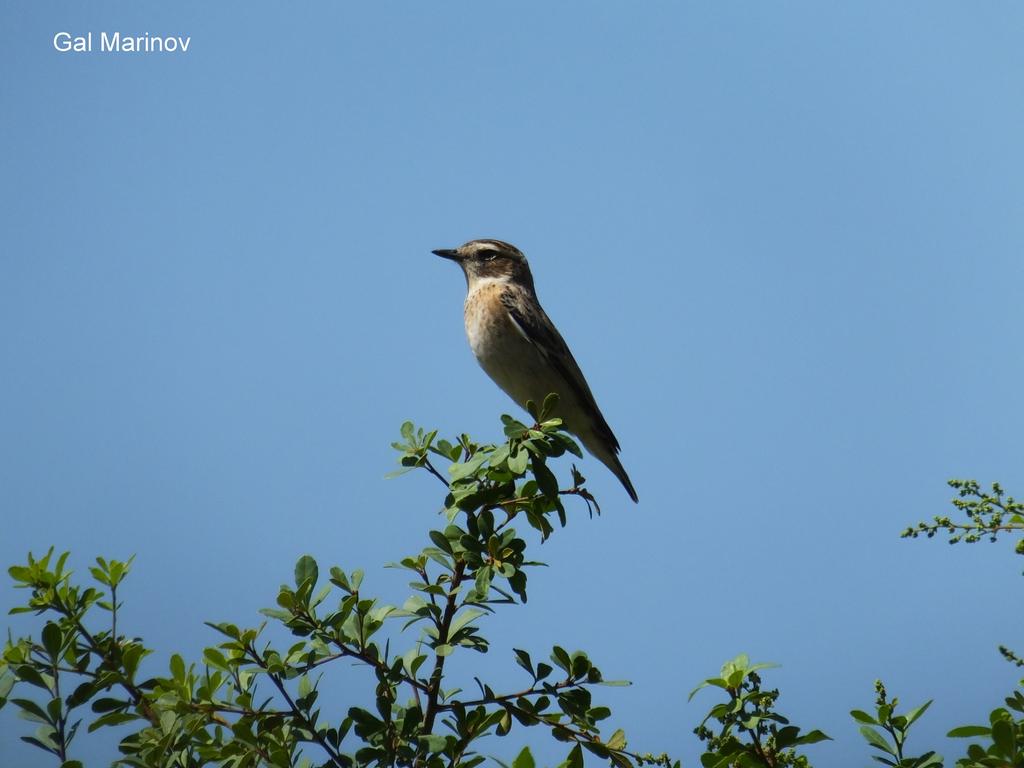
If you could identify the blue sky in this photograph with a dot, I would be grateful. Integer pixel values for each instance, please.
(784, 241)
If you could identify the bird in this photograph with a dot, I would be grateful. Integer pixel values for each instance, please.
(518, 346)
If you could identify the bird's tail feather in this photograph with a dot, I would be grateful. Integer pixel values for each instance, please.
(608, 457)
(606, 451)
(619, 471)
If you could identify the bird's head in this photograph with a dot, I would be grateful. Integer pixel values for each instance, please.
(490, 260)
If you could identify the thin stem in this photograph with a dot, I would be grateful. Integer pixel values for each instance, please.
(984, 528)
(896, 740)
(62, 720)
(138, 698)
(229, 710)
(434, 688)
(296, 712)
(113, 612)
(359, 654)
(581, 736)
(506, 697)
(432, 470)
(520, 500)
(323, 660)
(426, 580)
(211, 710)
(756, 738)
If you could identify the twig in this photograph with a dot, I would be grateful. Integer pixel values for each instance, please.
(299, 715)
(506, 697)
(138, 698)
(434, 689)
(432, 470)
(344, 650)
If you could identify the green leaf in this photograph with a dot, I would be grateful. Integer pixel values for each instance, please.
(6, 684)
(498, 457)
(215, 658)
(228, 630)
(875, 739)
(863, 717)
(20, 573)
(41, 744)
(518, 462)
(108, 705)
(275, 613)
(44, 737)
(813, 737)
(482, 581)
(31, 711)
(466, 469)
(914, 714)
(444, 649)
(524, 759)
(968, 731)
(550, 403)
(717, 682)
(523, 660)
(114, 718)
(441, 541)
(340, 578)
(32, 676)
(434, 743)
(463, 619)
(513, 428)
(167, 720)
(570, 445)
(1003, 737)
(100, 574)
(562, 659)
(131, 656)
(785, 737)
(617, 740)
(413, 660)
(177, 667)
(53, 639)
(306, 570)
(547, 483)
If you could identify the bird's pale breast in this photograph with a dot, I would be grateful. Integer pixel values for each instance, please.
(502, 350)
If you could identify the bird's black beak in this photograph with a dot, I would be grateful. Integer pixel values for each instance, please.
(448, 253)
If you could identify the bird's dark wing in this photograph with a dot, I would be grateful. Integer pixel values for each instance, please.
(538, 329)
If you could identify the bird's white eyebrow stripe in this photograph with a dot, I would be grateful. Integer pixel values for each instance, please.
(501, 245)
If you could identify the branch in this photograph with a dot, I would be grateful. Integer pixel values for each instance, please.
(296, 712)
(229, 710)
(434, 689)
(138, 697)
(523, 500)
(355, 653)
(581, 736)
(63, 719)
(507, 697)
(432, 470)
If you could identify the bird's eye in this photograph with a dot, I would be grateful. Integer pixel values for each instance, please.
(489, 255)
